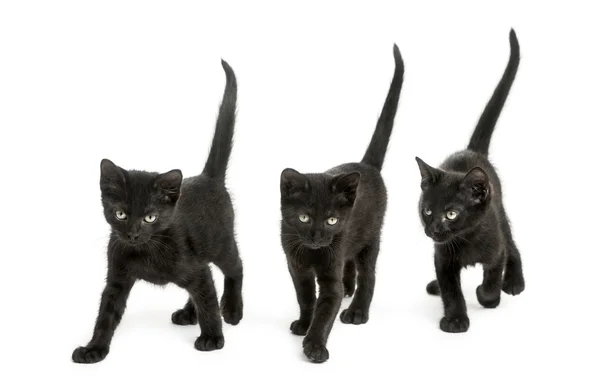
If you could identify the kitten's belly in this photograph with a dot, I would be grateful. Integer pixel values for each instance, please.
(155, 279)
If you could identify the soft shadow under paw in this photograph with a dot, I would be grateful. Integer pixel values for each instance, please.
(354, 316)
(184, 317)
(299, 327)
(89, 354)
(489, 302)
(513, 285)
(232, 310)
(454, 324)
(315, 352)
(209, 343)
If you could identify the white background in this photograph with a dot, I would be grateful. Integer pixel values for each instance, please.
(140, 82)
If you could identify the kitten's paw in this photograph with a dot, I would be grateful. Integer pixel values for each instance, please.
(232, 310)
(89, 354)
(354, 316)
(433, 287)
(513, 284)
(315, 352)
(184, 317)
(299, 327)
(489, 302)
(455, 324)
(209, 342)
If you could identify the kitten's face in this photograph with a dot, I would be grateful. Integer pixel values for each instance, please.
(138, 205)
(317, 206)
(452, 203)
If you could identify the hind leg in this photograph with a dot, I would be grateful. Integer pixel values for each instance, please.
(232, 305)
(358, 312)
(186, 315)
(514, 282)
(349, 278)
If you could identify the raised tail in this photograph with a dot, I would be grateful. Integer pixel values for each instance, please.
(480, 140)
(379, 142)
(216, 164)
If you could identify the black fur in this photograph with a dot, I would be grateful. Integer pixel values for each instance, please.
(335, 254)
(195, 226)
(467, 184)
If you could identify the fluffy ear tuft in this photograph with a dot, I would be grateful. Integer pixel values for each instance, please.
(169, 185)
(429, 174)
(293, 182)
(347, 185)
(477, 184)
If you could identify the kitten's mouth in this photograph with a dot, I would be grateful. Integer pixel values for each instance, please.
(440, 239)
(316, 246)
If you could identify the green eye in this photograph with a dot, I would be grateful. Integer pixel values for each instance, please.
(304, 218)
(451, 214)
(427, 212)
(332, 221)
(120, 214)
(150, 218)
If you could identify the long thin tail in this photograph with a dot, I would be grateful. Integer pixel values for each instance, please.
(379, 142)
(480, 140)
(216, 164)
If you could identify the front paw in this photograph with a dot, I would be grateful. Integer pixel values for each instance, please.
(354, 316)
(232, 310)
(89, 354)
(487, 301)
(209, 342)
(455, 324)
(299, 327)
(314, 351)
(184, 317)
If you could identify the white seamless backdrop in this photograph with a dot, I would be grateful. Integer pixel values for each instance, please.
(139, 82)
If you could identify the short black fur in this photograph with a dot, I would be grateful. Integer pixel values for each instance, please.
(461, 210)
(168, 230)
(338, 242)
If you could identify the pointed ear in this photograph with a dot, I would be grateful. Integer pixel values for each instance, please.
(293, 183)
(169, 185)
(477, 184)
(346, 185)
(112, 177)
(429, 174)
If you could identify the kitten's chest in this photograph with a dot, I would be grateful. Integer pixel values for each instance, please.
(155, 268)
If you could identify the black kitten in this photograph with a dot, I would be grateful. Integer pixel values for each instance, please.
(330, 229)
(168, 230)
(461, 210)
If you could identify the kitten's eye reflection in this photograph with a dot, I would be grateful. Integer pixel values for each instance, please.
(303, 218)
(451, 214)
(427, 212)
(120, 214)
(150, 218)
(332, 221)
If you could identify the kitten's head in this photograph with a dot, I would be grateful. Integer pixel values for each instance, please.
(317, 206)
(137, 204)
(452, 203)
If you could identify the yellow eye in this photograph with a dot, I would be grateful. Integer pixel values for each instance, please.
(120, 214)
(304, 218)
(451, 214)
(427, 212)
(150, 218)
(332, 221)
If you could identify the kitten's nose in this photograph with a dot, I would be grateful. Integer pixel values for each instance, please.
(133, 236)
